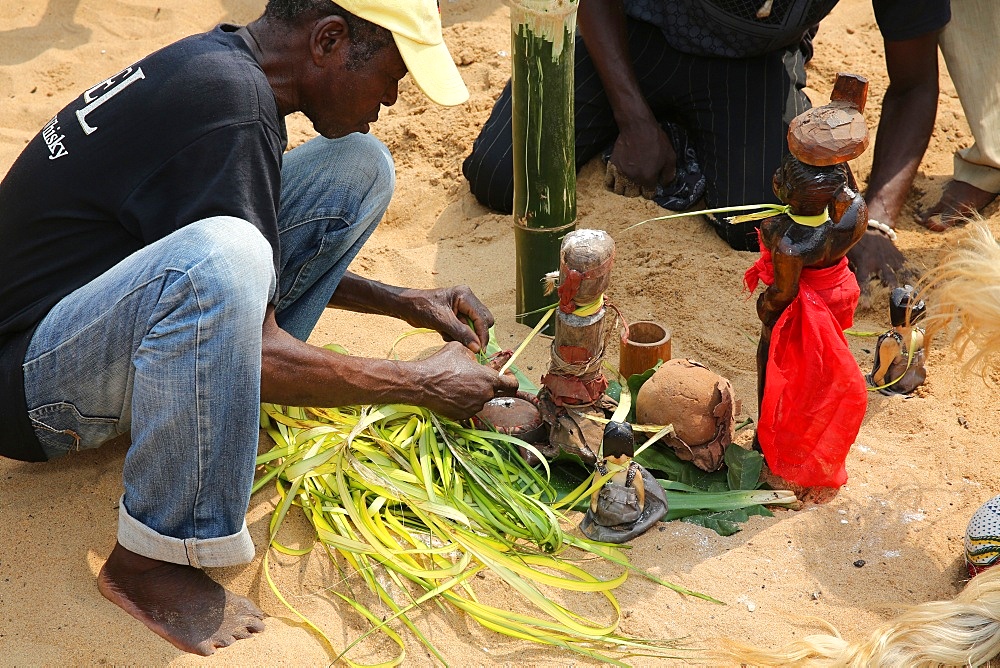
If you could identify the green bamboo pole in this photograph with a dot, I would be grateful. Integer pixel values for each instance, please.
(542, 35)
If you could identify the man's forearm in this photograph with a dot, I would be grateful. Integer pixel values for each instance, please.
(450, 382)
(363, 295)
(602, 24)
(298, 374)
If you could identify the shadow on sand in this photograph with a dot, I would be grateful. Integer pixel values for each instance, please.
(57, 29)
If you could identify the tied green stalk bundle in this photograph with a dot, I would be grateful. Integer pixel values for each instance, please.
(417, 505)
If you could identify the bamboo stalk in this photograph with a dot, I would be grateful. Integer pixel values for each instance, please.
(544, 140)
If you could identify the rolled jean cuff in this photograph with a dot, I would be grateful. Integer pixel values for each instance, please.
(136, 537)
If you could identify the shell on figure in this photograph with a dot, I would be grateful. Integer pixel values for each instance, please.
(631, 500)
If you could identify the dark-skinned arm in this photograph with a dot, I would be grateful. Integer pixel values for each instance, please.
(449, 382)
(642, 151)
(444, 310)
(904, 130)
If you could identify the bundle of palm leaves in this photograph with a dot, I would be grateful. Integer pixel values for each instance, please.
(419, 504)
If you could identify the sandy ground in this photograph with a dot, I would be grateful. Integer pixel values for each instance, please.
(916, 473)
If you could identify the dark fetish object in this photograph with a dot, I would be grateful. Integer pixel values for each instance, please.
(517, 416)
(631, 501)
(898, 367)
(619, 440)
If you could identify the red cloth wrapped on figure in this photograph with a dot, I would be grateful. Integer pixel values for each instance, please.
(815, 394)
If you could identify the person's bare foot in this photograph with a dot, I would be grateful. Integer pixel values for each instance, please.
(958, 201)
(179, 603)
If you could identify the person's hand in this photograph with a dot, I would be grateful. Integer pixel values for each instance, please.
(449, 311)
(642, 158)
(875, 256)
(457, 386)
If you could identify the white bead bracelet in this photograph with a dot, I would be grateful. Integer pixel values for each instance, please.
(883, 228)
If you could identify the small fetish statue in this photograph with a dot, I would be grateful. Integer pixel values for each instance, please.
(631, 501)
(899, 353)
(811, 396)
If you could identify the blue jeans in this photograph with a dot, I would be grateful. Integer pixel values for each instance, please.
(166, 346)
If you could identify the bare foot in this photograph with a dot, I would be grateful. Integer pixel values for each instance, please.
(958, 201)
(179, 603)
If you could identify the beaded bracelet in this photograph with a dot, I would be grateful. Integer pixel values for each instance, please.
(883, 228)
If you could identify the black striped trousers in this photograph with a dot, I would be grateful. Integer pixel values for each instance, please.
(736, 110)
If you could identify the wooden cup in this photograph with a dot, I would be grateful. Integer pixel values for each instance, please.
(647, 342)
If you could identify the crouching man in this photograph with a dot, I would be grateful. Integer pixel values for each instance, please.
(165, 262)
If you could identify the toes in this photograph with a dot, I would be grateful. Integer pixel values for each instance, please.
(931, 222)
(206, 647)
(937, 223)
(907, 275)
(610, 176)
(865, 285)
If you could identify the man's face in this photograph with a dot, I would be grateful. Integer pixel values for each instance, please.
(346, 97)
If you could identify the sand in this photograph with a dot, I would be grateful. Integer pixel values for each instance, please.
(917, 472)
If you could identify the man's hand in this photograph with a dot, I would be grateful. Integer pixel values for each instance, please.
(643, 158)
(451, 382)
(457, 386)
(875, 256)
(447, 310)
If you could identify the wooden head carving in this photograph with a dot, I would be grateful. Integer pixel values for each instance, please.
(835, 132)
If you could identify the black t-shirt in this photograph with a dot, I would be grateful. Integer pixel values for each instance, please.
(733, 29)
(189, 132)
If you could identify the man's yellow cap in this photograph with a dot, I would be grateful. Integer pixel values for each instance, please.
(416, 27)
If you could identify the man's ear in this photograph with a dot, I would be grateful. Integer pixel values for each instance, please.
(329, 35)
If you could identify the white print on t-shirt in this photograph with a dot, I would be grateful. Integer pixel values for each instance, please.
(99, 94)
(54, 140)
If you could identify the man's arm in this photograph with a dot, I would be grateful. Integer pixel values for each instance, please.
(446, 310)
(450, 382)
(643, 151)
(904, 130)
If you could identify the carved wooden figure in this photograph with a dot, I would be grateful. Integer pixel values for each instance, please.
(804, 249)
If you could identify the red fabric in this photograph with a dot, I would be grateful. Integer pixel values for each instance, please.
(567, 290)
(815, 395)
(573, 391)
